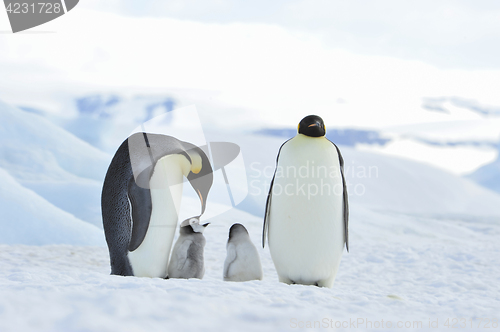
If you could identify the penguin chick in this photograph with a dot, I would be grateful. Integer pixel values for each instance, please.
(187, 256)
(242, 260)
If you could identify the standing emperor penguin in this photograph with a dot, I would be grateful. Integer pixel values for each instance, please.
(141, 198)
(242, 261)
(307, 210)
(187, 259)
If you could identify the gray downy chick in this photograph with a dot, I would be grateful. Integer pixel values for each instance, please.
(242, 260)
(187, 259)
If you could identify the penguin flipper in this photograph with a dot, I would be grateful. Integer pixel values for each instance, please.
(265, 227)
(140, 200)
(182, 254)
(346, 200)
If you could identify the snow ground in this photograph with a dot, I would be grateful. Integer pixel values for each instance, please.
(424, 246)
(400, 268)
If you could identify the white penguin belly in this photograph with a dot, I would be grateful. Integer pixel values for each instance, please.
(150, 259)
(306, 227)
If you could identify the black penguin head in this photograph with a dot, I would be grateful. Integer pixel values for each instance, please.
(312, 126)
(237, 229)
(192, 225)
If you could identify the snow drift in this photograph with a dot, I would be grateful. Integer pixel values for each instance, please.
(47, 159)
(29, 219)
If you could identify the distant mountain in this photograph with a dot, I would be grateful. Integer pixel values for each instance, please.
(105, 120)
(347, 137)
(437, 104)
(32, 147)
(29, 219)
(56, 165)
(473, 137)
(353, 137)
(489, 175)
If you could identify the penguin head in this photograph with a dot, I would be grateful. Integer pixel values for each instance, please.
(202, 180)
(312, 126)
(192, 225)
(236, 230)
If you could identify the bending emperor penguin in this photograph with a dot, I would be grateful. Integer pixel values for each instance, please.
(307, 211)
(141, 198)
(187, 256)
(242, 261)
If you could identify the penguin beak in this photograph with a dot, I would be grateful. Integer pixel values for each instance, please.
(199, 228)
(313, 125)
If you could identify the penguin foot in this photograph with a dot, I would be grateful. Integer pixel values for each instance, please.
(285, 280)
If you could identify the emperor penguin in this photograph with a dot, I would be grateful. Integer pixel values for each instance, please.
(187, 259)
(307, 212)
(141, 197)
(242, 261)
